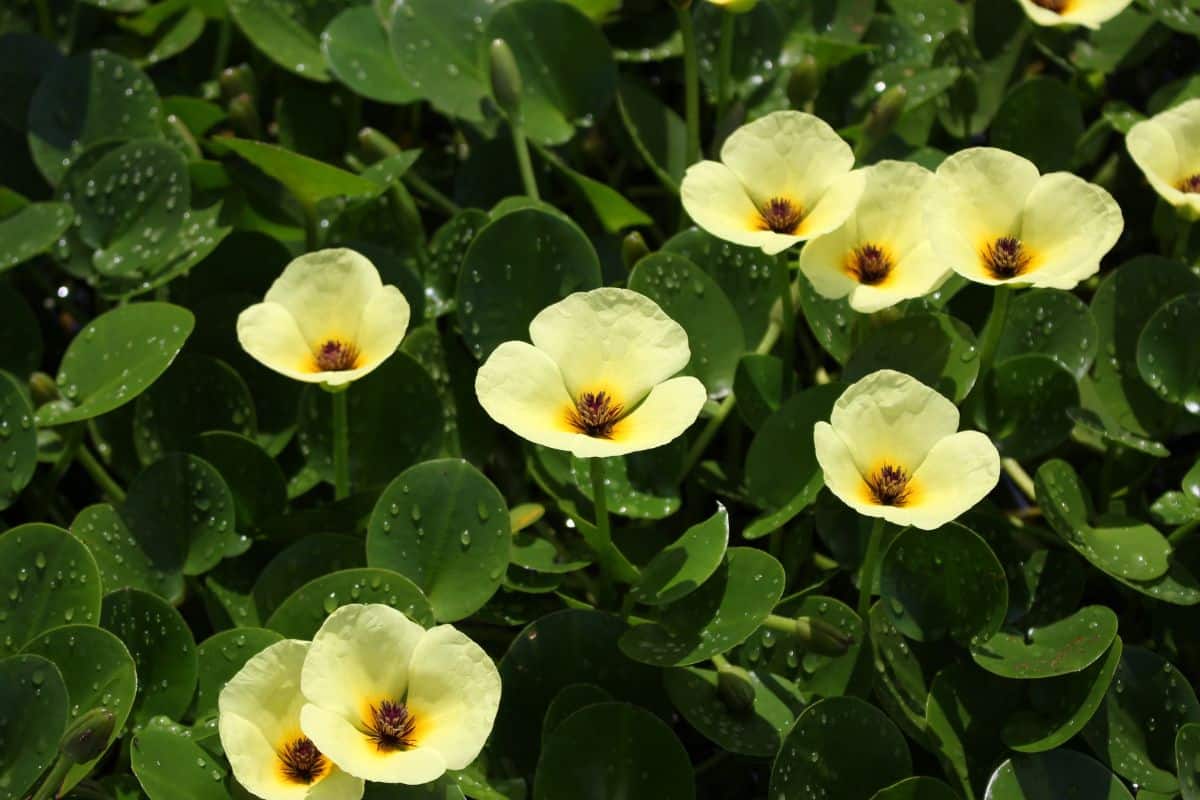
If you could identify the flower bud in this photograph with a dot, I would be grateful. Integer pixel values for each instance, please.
(87, 737)
(804, 81)
(506, 77)
(818, 636)
(43, 389)
(244, 116)
(735, 689)
(633, 249)
(885, 113)
(238, 80)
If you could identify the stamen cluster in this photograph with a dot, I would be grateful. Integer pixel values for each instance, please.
(889, 485)
(391, 727)
(1190, 184)
(869, 264)
(781, 215)
(1006, 258)
(595, 414)
(302, 762)
(336, 356)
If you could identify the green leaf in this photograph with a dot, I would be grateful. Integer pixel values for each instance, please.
(220, 657)
(641, 485)
(683, 566)
(758, 38)
(162, 647)
(1165, 361)
(1110, 431)
(301, 561)
(446, 250)
(656, 131)
(515, 267)
(1040, 119)
(1051, 322)
(1052, 776)
(301, 614)
(182, 512)
(721, 614)
(615, 212)
(18, 441)
(566, 65)
(35, 703)
(943, 583)
(758, 386)
(98, 672)
(445, 526)
(356, 48)
(570, 699)
(1024, 405)
(901, 680)
(89, 99)
(440, 48)
(126, 560)
(311, 181)
(114, 358)
(170, 766)
(32, 230)
(1187, 756)
(49, 579)
(832, 322)
(20, 334)
(782, 463)
(1059, 707)
(690, 297)
(816, 761)
(1134, 731)
(918, 788)
(252, 476)
(286, 31)
(616, 751)
(1061, 647)
(757, 732)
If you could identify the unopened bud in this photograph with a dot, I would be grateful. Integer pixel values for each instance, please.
(804, 81)
(633, 249)
(238, 80)
(818, 636)
(88, 736)
(244, 116)
(43, 389)
(885, 113)
(735, 689)
(376, 145)
(506, 77)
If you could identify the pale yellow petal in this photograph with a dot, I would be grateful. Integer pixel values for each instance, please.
(266, 690)
(716, 201)
(521, 388)
(959, 471)
(833, 206)
(384, 323)
(891, 418)
(668, 411)
(454, 692)
(611, 340)
(787, 154)
(357, 755)
(890, 210)
(269, 333)
(1094, 13)
(337, 785)
(1167, 149)
(843, 479)
(326, 291)
(359, 657)
(823, 262)
(1043, 16)
(920, 272)
(253, 760)
(1069, 225)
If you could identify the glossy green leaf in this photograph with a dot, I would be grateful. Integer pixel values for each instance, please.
(722, 613)
(816, 761)
(35, 703)
(50, 579)
(832, 322)
(640, 485)
(220, 656)
(758, 386)
(253, 478)
(1054, 775)
(453, 75)
(446, 250)
(683, 566)
(301, 614)
(943, 583)
(1169, 366)
(1112, 432)
(126, 560)
(614, 211)
(162, 647)
(20, 334)
(758, 731)
(781, 463)
(918, 788)
(936, 349)
(32, 230)
(965, 712)
(1051, 322)
(18, 441)
(302, 561)
(286, 31)
(311, 181)
(516, 266)
(170, 766)
(1041, 120)
(570, 699)
(1025, 403)
(617, 751)
(1187, 756)
(114, 358)
(658, 133)
(356, 48)
(1061, 647)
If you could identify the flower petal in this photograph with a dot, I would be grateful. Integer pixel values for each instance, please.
(383, 325)
(253, 760)
(354, 753)
(1165, 147)
(716, 201)
(977, 195)
(959, 471)
(269, 333)
(1094, 13)
(359, 657)
(612, 340)
(1070, 225)
(521, 387)
(337, 785)
(787, 154)
(893, 418)
(668, 411)
(454, 692)
(843, 478)
(916, 275)
(266, 690)
(833, 206)
(327, 292)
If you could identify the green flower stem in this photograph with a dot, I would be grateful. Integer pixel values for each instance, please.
(312, 226)
(341, 446)
(870, 566)
(1020, 477)
(724, 62)
(788, 332)
(521, 146)
(1182, 532)
(990, 338)
(691, 80)
(99, 474)
(54, 780)
(45, 19)
(599, 538)
(224, 40)
(426, 190)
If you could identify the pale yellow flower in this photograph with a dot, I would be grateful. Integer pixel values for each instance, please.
(1088, 13)
(735, 6)
(880, 255)
(389, 701)
(259, 726)
(781, 179)
(1167, 149)
(892, 449)
(597, 379)
(327, 319)
(993, 219)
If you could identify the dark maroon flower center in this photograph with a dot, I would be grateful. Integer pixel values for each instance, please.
(1006, 258)
(780, 215)
(869, 265)
(302, 762)
(889, 485)
(595, 414)
(391, 727)
(1190, 184)
(336, 356)
(1057, 6)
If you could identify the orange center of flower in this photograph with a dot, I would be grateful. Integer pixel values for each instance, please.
(1190, 184)
(301, 762)
(335, 356)
(595, 414)
(780, 215)
(889, 485)
(391, 727)
(1006, 258)
(870, 264)
(1057, 6)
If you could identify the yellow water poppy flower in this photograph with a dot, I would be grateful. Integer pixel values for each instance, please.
(994, 219)
(389, 701)
(892, 449)
(327, 319)
(259, 726)
(1167, 149)
(1088, 13)
(597, 379)
(880, 255)
(781, 179)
